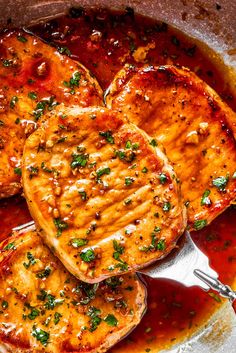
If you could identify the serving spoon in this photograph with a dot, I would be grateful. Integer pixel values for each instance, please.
(186, 264)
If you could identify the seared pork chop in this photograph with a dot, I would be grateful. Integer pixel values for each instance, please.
(34, 78)
(104, 198)
(196, 128)
(43, 308)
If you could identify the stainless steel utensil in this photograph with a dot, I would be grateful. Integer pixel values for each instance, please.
(188, 265)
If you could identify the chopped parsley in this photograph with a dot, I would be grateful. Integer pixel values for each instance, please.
(125, 156)
(111, 320)
(64, 50)
(33, 314)
(32, 95)
(127, 201)
(129, 181)
(114, 282)
(46, 169)
(119, 250)
(5, 304)
(22, 39)
(220, 182)
(18, 171)
(108, 136)
(79, 160)
(130, 145)
(78, 242)
(144, 170)
(7, 63)
(41, 107)
(205, 201)
(31, 261)
(10, 246)
(40, 335)
(163, 178)
(33, 171)
(13, 101)
(60, 225)
(215, 297)
(102, 171)
(199, 224)
(45, 273)
(166, 206)
(161, 245)
(50, 300)
(89, 290)
(83, 195)
(57, 317)
(88, 255)
(95, 320)
(153, 143)
(156, 244)
(73, 82)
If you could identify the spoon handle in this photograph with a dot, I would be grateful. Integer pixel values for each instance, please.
(224, 290)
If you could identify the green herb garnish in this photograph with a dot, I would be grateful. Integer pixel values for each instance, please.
(60, 225)
(13, 101)
(32, 95)
(221, 182)
(78, 242)
(31, 261)
(199, 224)
(108, 136)
(79, 160)
(111, 320)
(45, 273)
(88, 255)
(41, 336)
(205, 201)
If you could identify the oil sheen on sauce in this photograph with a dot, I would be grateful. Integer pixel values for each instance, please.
(104, 41)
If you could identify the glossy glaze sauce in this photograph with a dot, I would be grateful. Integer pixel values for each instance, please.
(103, 42)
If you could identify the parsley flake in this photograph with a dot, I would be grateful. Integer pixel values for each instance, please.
(199, 224)
(221, 182)
(111, 320)
(88, 255)
(41, 336)
(108, 136)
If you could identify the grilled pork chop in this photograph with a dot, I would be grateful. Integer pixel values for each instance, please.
(34, 79)
(196, 128)
(43, 308)
(104, 198)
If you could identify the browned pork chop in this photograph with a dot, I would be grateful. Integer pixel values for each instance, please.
(103, 196)
(34, 78)
(43, 308)
(196, 128)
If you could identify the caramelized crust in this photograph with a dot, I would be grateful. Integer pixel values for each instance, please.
(34, 79)
(195, 127)
(43, 308)
(102, 196)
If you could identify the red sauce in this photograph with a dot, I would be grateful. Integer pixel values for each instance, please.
(103, 42)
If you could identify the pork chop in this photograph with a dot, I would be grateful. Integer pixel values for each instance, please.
(43, 308)
(104, 198)
(34, 78)
(196, 128)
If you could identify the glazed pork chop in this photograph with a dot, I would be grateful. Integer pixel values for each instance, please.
(43, 308)
(196, 128)
(103, 196)
(34, 78)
